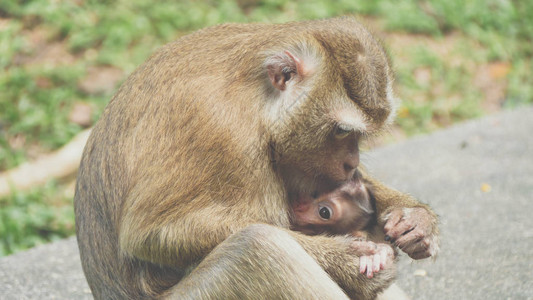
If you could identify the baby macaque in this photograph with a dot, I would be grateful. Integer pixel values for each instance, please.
(346, 210)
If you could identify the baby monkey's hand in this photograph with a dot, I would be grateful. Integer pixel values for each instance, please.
(373, 257)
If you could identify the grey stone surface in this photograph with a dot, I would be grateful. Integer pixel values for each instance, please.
(50, 271)
(487, 236)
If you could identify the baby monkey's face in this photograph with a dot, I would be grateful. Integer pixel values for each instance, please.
(344, 210)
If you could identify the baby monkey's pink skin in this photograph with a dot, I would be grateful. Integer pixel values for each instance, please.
(345, 210)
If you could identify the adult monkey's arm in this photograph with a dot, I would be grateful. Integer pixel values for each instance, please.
(408, 223)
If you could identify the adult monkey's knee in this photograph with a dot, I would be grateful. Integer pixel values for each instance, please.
(258, 261)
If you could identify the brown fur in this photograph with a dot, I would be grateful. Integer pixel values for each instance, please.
(195, 147)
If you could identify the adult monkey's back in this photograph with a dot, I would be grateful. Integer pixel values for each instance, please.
(207, 143)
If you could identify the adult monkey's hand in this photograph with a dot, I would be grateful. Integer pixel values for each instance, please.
(407, 223)
(414, 230)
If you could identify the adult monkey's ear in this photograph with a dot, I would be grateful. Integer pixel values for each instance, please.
(283, 67)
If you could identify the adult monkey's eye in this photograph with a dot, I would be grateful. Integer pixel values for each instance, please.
(325, 212)
(342, 131)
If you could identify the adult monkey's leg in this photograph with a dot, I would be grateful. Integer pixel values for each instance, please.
(258, 261)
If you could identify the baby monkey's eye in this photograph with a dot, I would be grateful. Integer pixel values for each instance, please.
(325, 212)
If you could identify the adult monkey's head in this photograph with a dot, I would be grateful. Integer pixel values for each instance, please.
(327, 93)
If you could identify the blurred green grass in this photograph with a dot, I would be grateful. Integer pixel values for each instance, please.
(50, 51)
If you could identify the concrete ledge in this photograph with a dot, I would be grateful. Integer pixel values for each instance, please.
(487, 236)
(50, 271)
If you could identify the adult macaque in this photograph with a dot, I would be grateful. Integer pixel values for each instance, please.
(185, 184)
(346, 210)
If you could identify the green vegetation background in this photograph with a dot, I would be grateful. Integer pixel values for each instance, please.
(61, 60)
